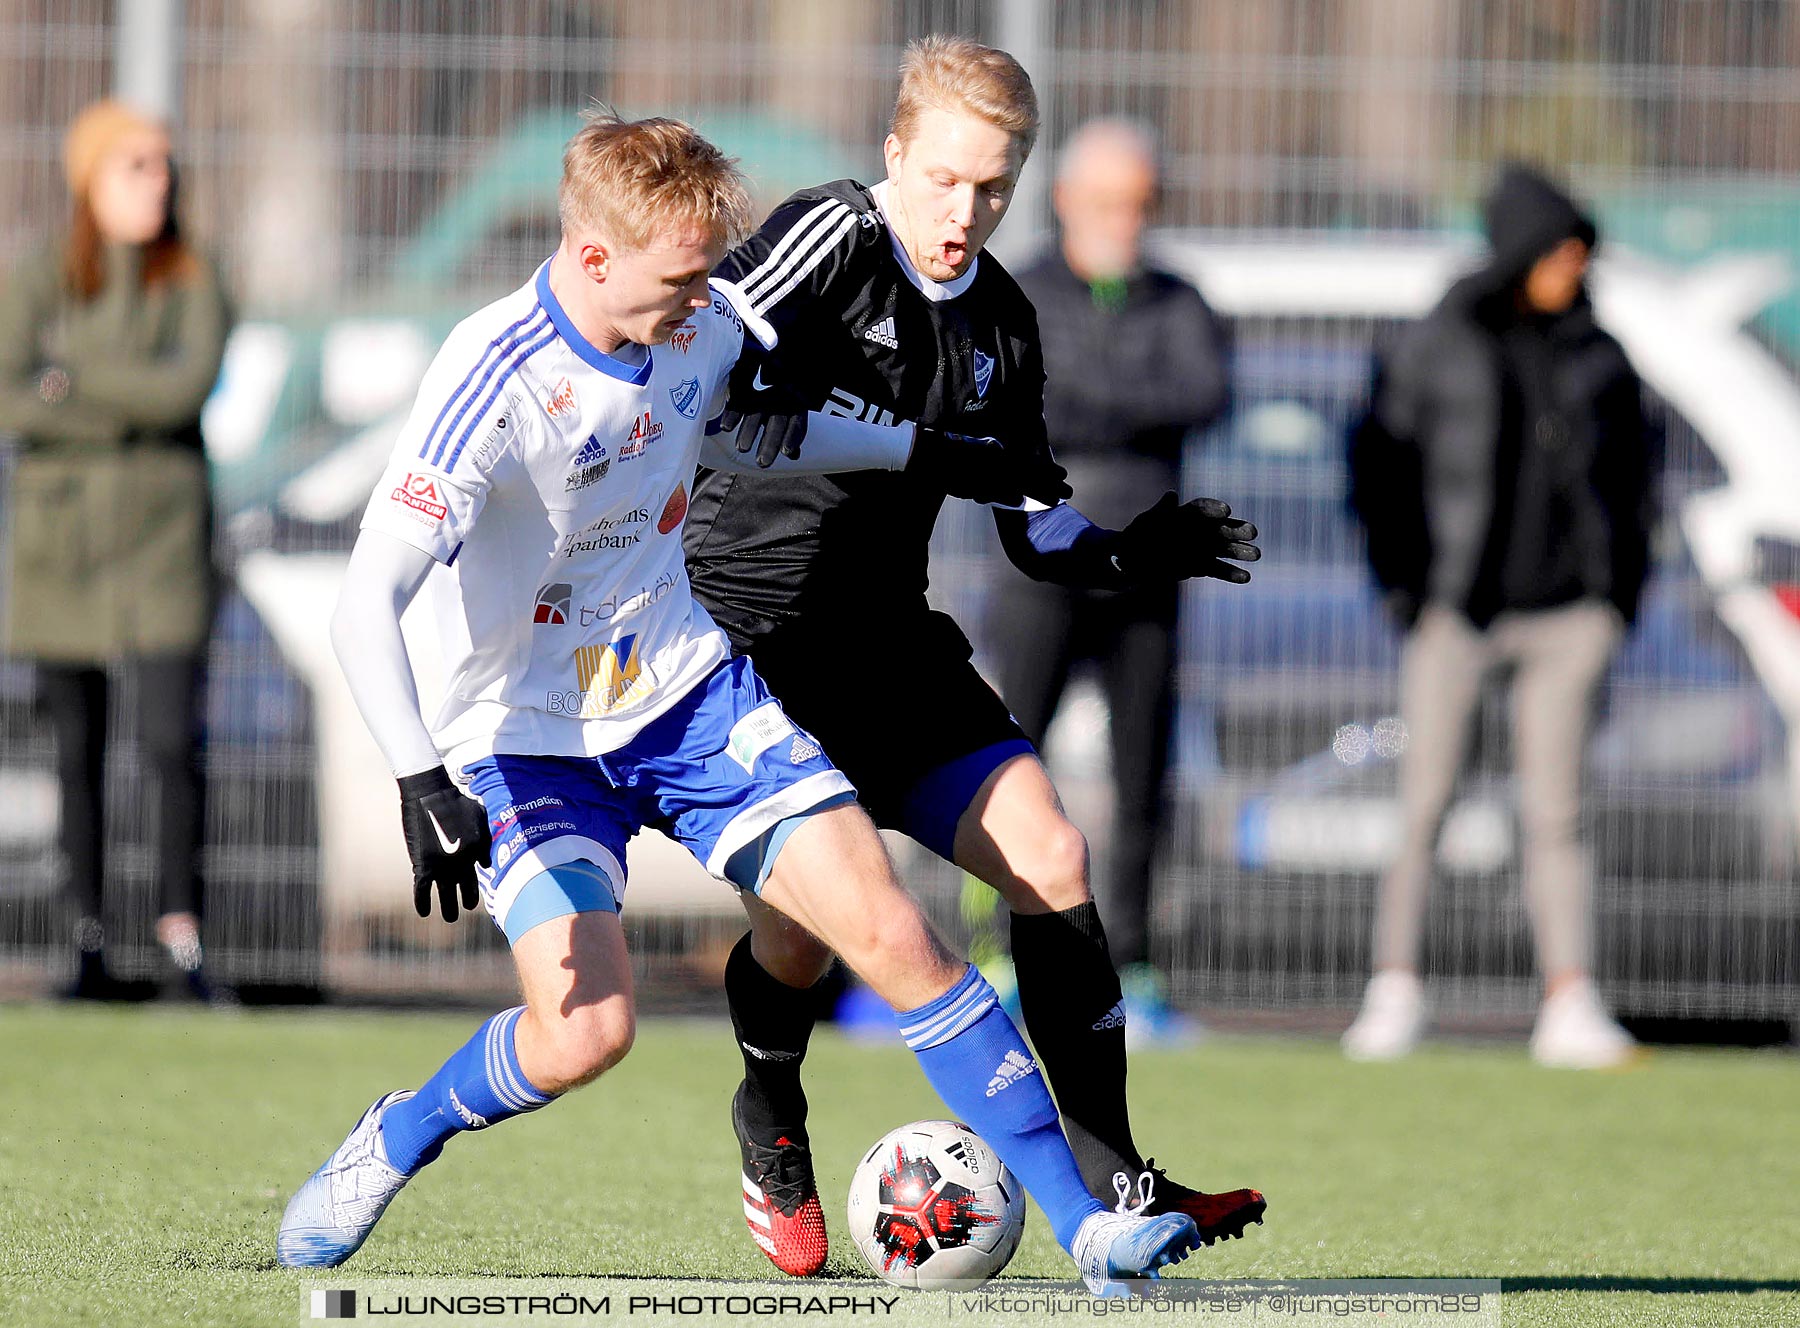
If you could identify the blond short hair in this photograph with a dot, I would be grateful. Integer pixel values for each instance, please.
(632, 180)
(957, 74)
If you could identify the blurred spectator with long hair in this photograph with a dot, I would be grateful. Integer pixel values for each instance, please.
(110, 341)
(1502, 475)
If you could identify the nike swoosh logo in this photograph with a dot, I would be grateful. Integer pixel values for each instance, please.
(448, 844)
(757, 384)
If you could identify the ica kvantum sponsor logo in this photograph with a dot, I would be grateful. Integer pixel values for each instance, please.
(420, 494)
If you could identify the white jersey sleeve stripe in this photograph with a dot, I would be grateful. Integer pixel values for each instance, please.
(813, 259)
(535, 323)
(549, 335)
(796, 234)
(797, 246)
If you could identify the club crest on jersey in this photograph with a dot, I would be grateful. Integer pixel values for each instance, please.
(609, 676)
(682, 339)
(644, 431)
(553, 603)
(420, 494)
(984, 371)
(562, 400)
(686, 396)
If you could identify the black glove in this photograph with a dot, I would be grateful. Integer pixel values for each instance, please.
(984, 470)
(767, 417)
(1173, 541)
(446, 835)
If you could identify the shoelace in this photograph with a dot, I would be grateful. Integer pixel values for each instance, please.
(783, 1174)
(1146, 1186)
(1172, 1191)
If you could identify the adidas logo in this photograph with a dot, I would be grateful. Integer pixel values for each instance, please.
(1115, 1018)
(959, 1151)
(470, 1119)
(591, 451)
(882, 334)
(1015, 1067)
(801, 751)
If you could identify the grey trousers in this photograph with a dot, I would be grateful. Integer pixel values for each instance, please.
(1558, 657)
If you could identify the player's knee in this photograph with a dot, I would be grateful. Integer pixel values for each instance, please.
(1055, 869)
(589, 1041)
(903, 959)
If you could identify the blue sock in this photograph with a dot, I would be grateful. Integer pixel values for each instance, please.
(976, 1060)
(480, 1085)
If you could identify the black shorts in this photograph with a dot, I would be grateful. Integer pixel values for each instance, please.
(900, 710)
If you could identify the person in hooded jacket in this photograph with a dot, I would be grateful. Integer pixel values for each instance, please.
(1503, 478)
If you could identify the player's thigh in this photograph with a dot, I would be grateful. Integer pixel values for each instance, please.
(728, 775)
(1016, 836)
(834, 878)
(906, 726)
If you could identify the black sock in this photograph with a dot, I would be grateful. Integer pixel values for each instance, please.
(1069, 993)
(773, 1022)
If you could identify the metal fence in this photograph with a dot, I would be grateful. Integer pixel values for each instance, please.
(368, 172)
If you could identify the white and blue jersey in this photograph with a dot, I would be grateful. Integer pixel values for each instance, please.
(550, 481)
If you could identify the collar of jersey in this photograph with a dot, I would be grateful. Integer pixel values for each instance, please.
(934, 291)
(635, 374)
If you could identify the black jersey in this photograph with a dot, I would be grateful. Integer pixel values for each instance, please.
(860, 334)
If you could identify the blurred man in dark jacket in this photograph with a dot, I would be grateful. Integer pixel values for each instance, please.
(1134, 361)
(1503, 478)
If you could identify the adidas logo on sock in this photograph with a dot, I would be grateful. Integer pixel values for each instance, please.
(470, 1119)
(882, 334)
(1015, 1067)
(1115, 1018)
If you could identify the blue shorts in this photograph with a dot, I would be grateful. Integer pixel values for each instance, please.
(724, 771)
(933, 806)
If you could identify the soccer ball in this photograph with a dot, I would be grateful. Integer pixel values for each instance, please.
(932, 1208)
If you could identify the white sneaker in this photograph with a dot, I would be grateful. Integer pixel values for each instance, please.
(1391, 1020)
(1574, 1032)
(1126, 1245)
(331, 1215)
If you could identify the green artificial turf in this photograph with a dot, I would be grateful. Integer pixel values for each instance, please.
(145, 1157)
